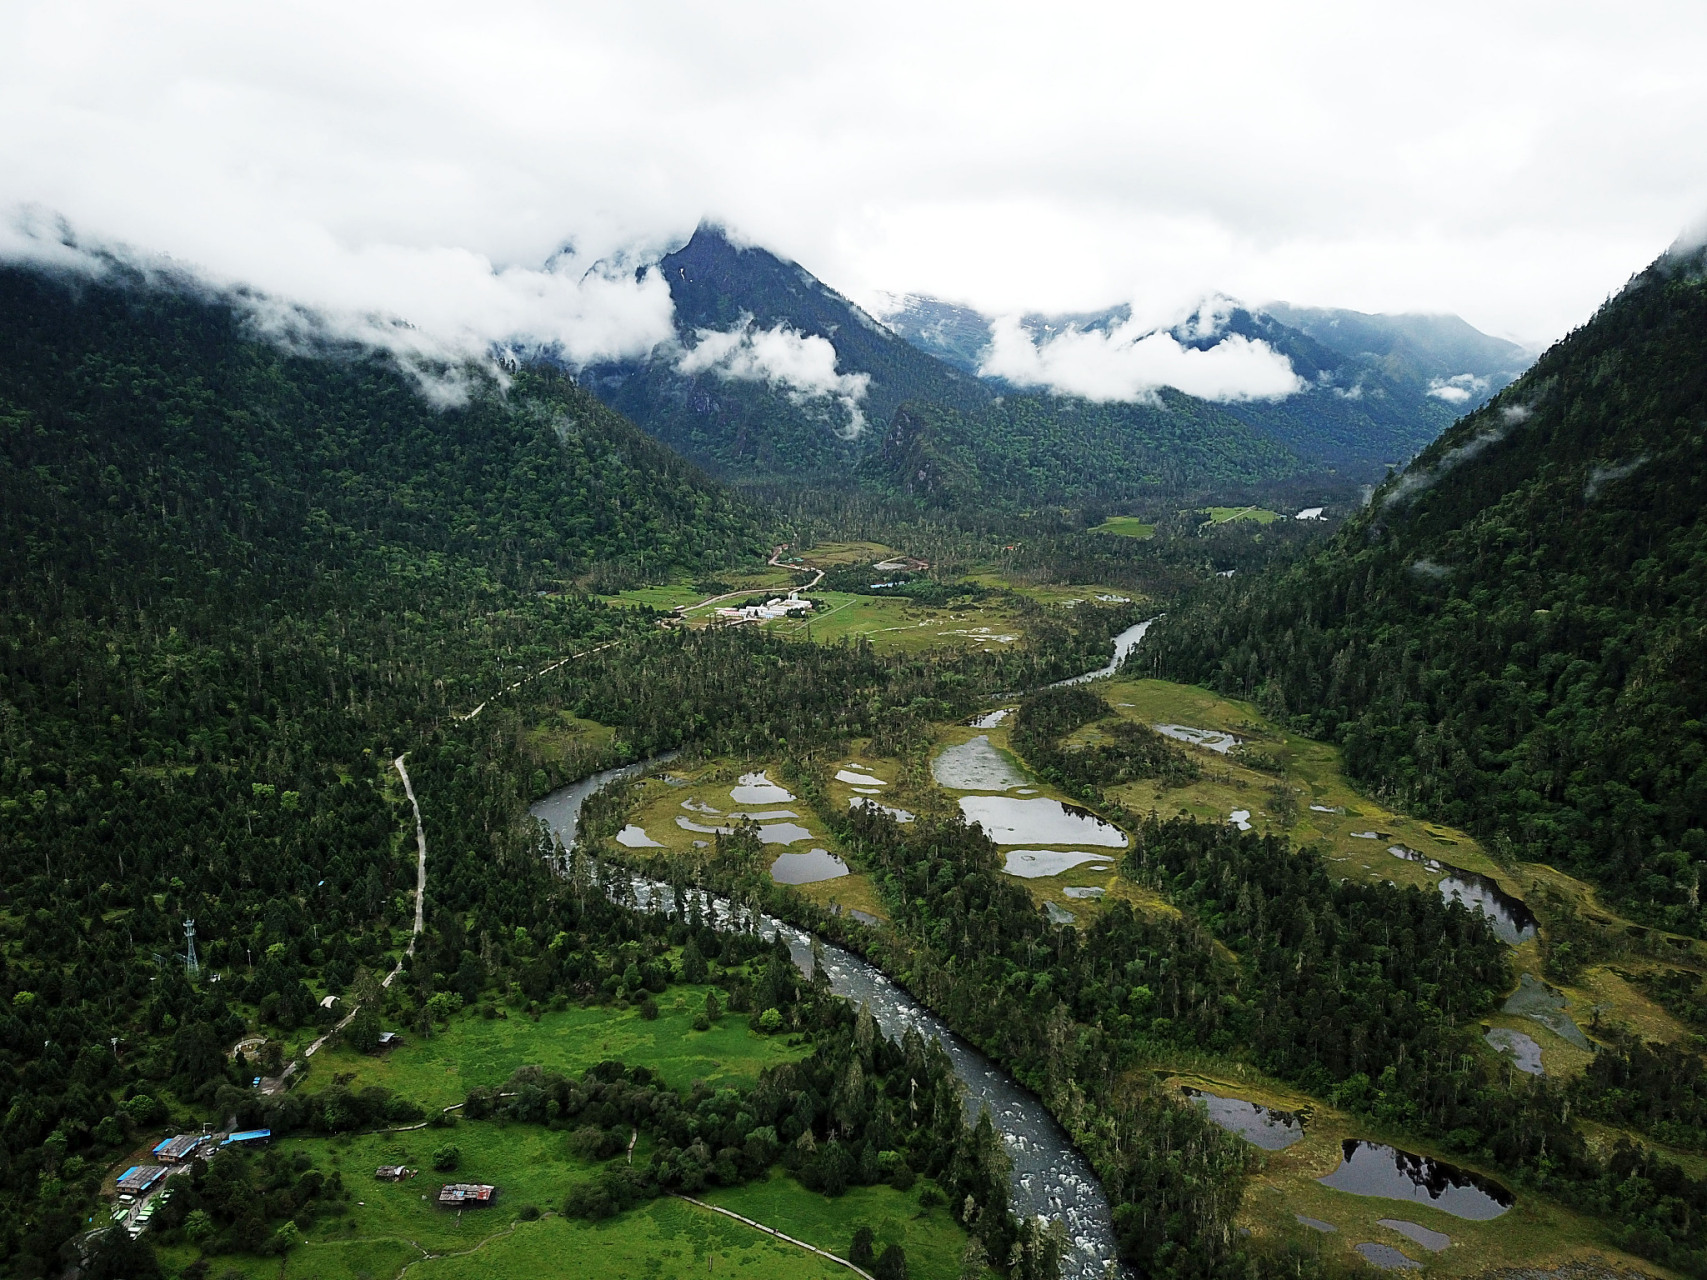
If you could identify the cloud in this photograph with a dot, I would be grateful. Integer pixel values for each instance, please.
(1131, 361)
(1600, 477)
(1415, 481)
(310, 145)
(1457, 389)
(437, 311)
(802, 365)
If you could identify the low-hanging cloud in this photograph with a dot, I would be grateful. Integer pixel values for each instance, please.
(803, 366)
(1132, 361)
(1457, 389)
(444, 315)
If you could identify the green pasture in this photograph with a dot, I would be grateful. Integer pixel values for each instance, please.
(1126, 527)
(1224, 515)
(474, 1051)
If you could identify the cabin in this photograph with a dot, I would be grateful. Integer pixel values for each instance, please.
(393, 1173)
(389, 1039)
(247, 1138)
(139, 1178)
(179, 1149)
(466, 1195)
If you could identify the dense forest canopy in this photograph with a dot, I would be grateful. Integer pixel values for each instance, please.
(1510, 637)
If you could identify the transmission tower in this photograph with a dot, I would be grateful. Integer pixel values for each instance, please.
(190, 962)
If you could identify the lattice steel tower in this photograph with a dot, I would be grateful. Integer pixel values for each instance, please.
(190, 962)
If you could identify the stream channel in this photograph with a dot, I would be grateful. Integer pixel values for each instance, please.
(1050, 1177)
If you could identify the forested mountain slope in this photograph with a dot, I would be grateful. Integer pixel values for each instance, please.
(1028, 449)
(748, 427)
(232, 583)
(1377, 388)
(1511, 636)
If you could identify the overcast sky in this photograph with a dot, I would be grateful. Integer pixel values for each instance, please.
(1513, 163)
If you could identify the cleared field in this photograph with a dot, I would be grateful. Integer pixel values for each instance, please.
(1126, 527)
(896, 624)
(1221, 515)
(932, 1239)
(474, 1051)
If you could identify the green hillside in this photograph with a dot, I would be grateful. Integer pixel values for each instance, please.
(233, 583)
(1510, 637)
(1031, 449)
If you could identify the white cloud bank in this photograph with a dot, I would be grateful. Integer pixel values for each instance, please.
(802, 365)
(1132, 361)
(435, 310)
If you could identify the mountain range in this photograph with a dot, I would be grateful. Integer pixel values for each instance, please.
(906, 402)
(1509, 637)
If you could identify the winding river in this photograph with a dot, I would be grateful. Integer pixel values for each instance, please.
(1050, 1177)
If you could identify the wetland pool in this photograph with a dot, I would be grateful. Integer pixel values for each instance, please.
(1376, 1169)
(1040, 820)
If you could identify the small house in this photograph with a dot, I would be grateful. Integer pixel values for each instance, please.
(179, 1149)
(393, 1173)
(466, 1195)
(389, 1039)
(137, 1179)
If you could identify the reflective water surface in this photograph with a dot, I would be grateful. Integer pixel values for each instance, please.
(1387, 1257)
(975, 766)
(1261, 1126)
(1375, 1169)
(1034, 864)
(1010, 820)
(807, 868)
(1521, 1049)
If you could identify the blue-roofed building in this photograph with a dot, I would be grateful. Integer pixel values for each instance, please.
(140, 1177)
(247, 1136)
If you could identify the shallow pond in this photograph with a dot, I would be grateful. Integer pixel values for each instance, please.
(783, 833)
(633, 837)
(1315, 1224)
(1261, 1126)
(1240, 818)
(975, 766)
(1433, 1241)
(1010, 820)
(1213, 739)
(858, 779)
(807, 868)
(1375, 1169)
(755, 788)
(1034, 864)
(1083, 891)
(990, 719)
(900, 815)
(1058, 914)
(1049, 1176)
(1521, 1049)
(1124, 644)
(1386, 1257)
(1510, 918)
(1536, 1000)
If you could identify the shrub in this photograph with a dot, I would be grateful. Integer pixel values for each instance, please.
(860, 1251)
(770, 1022)
(649, 1009)
(447, 1157)
(891, 1264)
